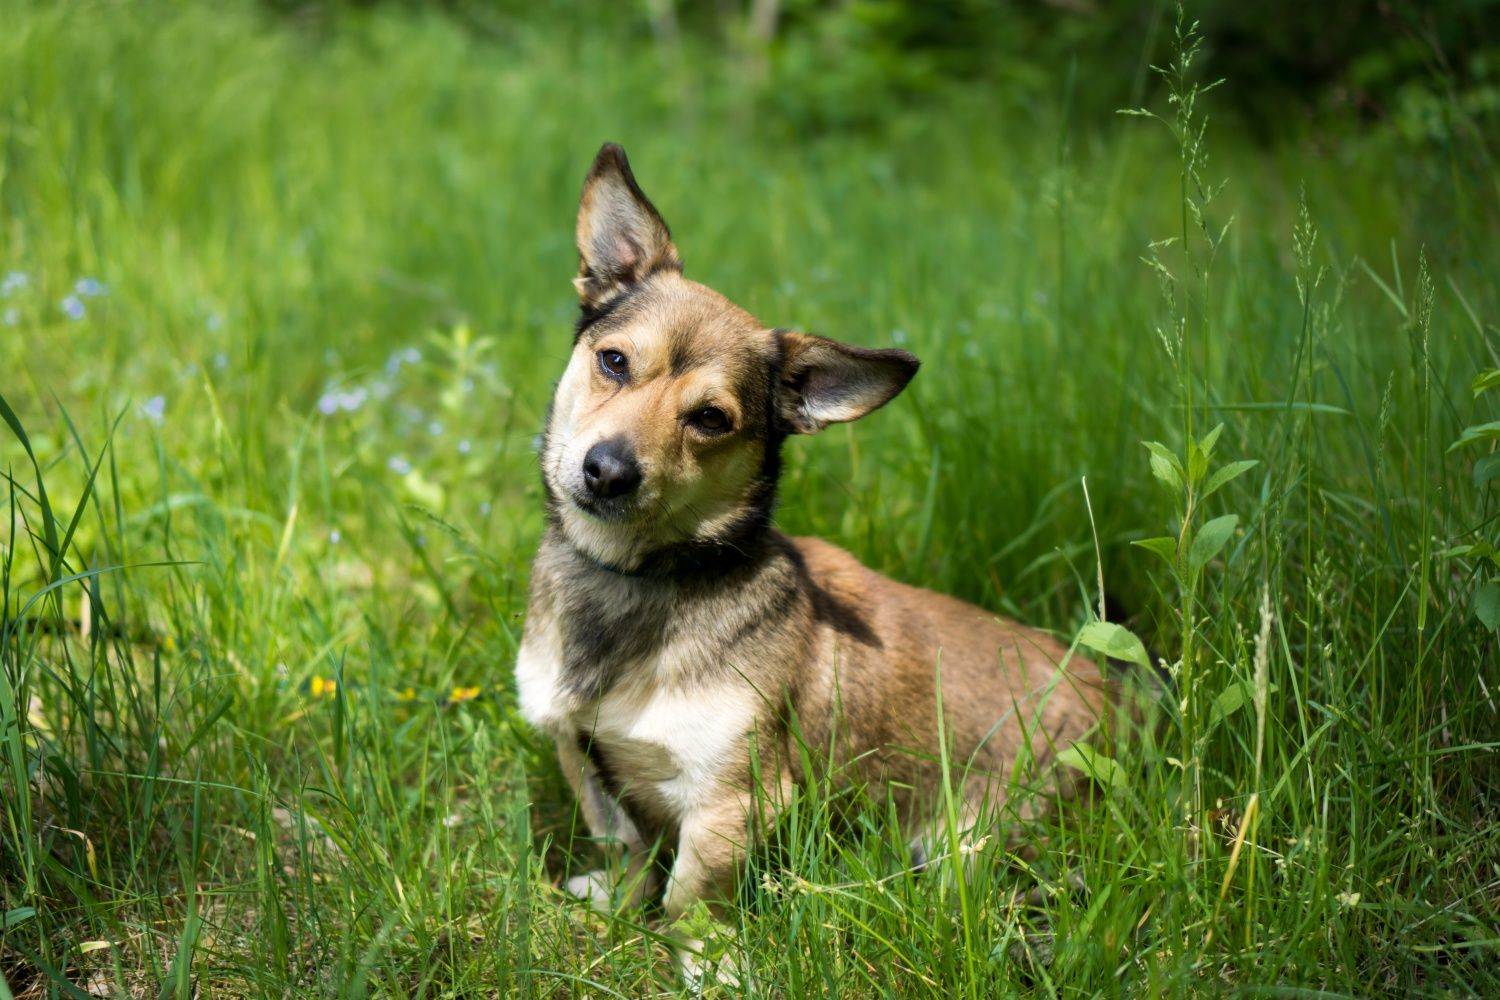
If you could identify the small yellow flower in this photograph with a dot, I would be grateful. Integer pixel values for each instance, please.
(321, 688)
(460, 694)
(406, 694)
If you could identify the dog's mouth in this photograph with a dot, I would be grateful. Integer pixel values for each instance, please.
(614, 510)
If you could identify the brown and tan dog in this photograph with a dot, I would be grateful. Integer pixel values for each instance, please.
(671, 627)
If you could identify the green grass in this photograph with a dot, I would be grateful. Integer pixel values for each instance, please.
(382, 206)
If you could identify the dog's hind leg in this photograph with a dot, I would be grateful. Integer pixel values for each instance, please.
(614, 830)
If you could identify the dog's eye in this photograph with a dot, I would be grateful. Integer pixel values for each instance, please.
(711, 419)
(613, 364)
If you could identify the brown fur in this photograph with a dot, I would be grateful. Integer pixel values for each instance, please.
(672, 628)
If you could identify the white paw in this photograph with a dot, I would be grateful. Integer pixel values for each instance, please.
(695, 969)
(596, 888)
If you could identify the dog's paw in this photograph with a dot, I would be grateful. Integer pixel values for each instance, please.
(596, 888)
(697, 971)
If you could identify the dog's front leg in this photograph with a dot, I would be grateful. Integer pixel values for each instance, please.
(614, 830)
(710, 849)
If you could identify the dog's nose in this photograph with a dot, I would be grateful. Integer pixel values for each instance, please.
(610, 470)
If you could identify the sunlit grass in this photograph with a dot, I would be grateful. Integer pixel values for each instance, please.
(286, 313)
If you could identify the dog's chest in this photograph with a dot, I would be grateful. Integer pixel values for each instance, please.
(672, 746)
(667, 734)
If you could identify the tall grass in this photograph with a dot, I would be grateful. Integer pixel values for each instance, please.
(270, 500)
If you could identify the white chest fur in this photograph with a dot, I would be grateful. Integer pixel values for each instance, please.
(669, 741)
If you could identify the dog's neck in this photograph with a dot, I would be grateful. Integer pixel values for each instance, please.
(691, 561)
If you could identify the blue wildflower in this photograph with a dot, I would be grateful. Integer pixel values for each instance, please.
(154, 408)
(14, 281)
(12, 316)
(464, 447)
(399, 465)
(89, 287)
(72, 307)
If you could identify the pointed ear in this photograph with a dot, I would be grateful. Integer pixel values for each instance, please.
(621, 238)
(825, 382)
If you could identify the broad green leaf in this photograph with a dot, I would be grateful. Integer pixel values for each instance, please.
(1165, 546)
(1232, 699)
(1115, 641)
(1209, 440)
(1479, 432)
(1486, 380)
(1164, 465)
(11, 919)
(1197, 463)
(1458, 551)
(1487, 604)
(1210, 540)
(1229, 472)
(1101, 767)
(1485, 469)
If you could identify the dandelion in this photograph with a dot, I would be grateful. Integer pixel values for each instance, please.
(462, 694)
(12, 316)
(90, 287)
(399, 465)
(14, 281)
(154, 408)
(464, 447)
(72, 307)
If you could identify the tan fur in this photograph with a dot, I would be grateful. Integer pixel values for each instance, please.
(672, 632)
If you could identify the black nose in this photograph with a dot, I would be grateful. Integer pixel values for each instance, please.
(610, 470)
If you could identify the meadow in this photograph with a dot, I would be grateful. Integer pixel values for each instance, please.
(282, 308)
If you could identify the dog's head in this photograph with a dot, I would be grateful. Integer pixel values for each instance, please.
(666, 427)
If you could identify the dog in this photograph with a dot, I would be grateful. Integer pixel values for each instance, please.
(677, 647)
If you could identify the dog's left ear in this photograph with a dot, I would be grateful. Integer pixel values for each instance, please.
(825, 382)
(621, 237)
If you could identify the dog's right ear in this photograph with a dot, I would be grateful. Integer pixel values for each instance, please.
(621, 237)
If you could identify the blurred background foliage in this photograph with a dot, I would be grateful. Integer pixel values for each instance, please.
(1423, 70)
(299, 274)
